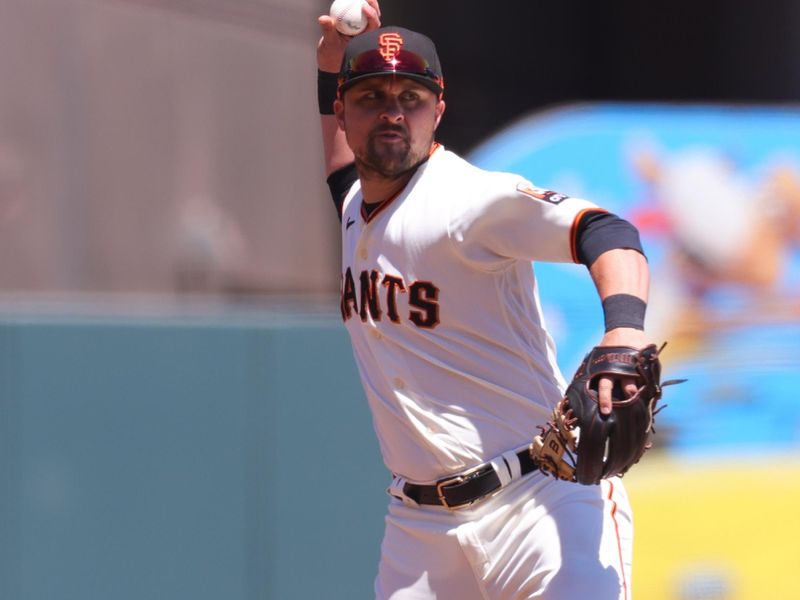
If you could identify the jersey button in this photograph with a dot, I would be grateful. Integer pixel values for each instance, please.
(398, 383)
(363, 253)
(376, 334)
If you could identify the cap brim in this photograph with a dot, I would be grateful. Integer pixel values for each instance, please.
(426, 81)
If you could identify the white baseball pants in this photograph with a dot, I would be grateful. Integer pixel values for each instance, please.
(537, 538)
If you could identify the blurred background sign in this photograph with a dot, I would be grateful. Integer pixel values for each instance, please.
(715, 193)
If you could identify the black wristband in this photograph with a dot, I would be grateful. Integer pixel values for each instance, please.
(624, 310)
(327, 86)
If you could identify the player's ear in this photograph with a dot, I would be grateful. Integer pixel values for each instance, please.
(440, 106)
(338, 111)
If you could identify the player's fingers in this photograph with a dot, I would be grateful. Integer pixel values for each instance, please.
(327, 25)
(373, 4)
(330, 36)
(372, 13)
(331, 46)
(629, 387)
(604, 387)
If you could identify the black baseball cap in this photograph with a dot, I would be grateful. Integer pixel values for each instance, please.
(391, 51)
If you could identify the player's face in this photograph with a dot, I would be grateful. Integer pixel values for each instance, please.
(389, 123)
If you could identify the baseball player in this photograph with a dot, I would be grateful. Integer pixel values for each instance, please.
(440, 300)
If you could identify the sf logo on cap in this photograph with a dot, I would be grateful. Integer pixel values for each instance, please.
(390, 44)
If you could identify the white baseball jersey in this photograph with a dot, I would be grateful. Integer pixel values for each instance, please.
(440, 300)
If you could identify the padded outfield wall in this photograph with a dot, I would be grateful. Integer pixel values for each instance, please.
(188, 454)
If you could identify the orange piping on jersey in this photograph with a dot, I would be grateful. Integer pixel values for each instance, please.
(368, 217)
(573, 232)
(619, 542)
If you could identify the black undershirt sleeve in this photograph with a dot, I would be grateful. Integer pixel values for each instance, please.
(600, 231)
(340, 182)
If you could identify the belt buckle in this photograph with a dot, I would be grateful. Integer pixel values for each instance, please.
(440, 485)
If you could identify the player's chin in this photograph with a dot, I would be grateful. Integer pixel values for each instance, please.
(391, 160)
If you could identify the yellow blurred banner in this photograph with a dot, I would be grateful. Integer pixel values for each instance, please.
(723, 529)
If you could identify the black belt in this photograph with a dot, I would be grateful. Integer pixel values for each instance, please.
(460, 490)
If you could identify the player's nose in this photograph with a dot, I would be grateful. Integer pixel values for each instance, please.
(392, 111)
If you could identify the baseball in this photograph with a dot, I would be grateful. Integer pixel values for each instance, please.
(350, 20)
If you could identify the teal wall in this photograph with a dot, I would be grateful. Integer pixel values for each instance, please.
(185, 458)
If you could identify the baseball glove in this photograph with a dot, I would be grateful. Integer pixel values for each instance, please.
(582, 445)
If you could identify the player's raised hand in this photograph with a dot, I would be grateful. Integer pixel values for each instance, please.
(330, 49)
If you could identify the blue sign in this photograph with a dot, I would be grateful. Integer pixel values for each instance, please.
(715, 193)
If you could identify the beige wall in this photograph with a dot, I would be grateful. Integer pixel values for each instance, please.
(161, 145)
